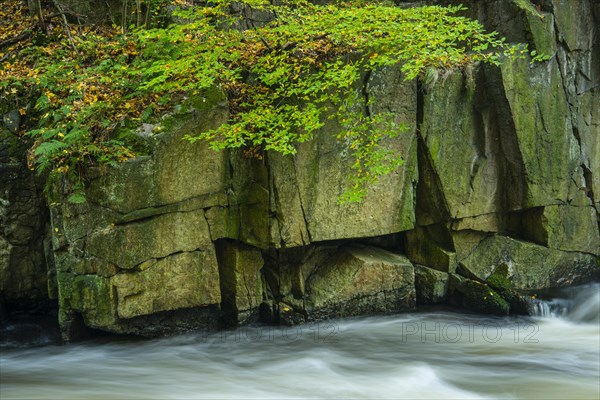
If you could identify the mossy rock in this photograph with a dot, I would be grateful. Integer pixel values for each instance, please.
(530, 266)
(500, 282)
(305, 188)
(241, 280)
(550, 153)
(424, 248)
(360, 280)
(454, 142)
(477, 296)
(431, 285)
(564, 227)
(90, 296)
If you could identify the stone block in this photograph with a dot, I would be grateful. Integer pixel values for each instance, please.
(360, 280)
(184, 280)
(431, 285)
(241, 280)
(564, 227)
(529, 266)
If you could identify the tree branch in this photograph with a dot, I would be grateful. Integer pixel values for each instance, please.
(5, 57)
(40, 16)
(66, 26)
(28, 32)
(21, 36)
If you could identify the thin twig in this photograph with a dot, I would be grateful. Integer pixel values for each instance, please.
(262, 39)
(124, 17)
(110, 13)
(5, 57)
(138, 13)
(15, 39)
(29, 31)
(147, 19)
(66, 26)
(40, 16)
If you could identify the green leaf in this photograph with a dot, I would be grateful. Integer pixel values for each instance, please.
(77, 198)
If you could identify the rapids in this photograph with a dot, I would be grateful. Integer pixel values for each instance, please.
(433, 355)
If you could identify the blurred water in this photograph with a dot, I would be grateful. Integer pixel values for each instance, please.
(438, 355)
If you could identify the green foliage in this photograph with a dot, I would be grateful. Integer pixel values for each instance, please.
(77, 198)
(535, 57)
(283, 77)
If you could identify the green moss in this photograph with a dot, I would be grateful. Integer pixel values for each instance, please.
(431, 285)
(423, 249)
(542, 31)
(89, 295)
(499, 278)
(481, 298)
(527, 6)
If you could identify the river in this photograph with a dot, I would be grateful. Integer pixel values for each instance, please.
(432, 355)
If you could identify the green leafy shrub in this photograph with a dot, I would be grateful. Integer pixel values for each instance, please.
(283, 77)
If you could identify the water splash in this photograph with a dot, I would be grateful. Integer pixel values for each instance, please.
(577, 304)
(555, 308)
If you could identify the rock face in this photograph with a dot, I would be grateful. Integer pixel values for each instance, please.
(109, 11)
(529, 266)
(431, 285)
(191, 229)
(23, 231)
(305, 188)
(499, 193)
(241, 280)
(143, 245)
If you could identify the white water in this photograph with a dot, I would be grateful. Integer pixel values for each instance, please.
(439, 355)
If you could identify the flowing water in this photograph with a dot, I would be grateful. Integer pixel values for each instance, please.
(434, 355)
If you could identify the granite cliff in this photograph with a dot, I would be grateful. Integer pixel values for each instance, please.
(499, 194)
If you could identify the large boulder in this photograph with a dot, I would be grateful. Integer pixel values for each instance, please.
(548, 149)
(565, 228)
(178, 172)
(431, 285)
(588, 126)
(360, 280)
(431, 246)
(529, 266)
(461, 149)
(476, 296)
(142, 244)
(183, 280)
